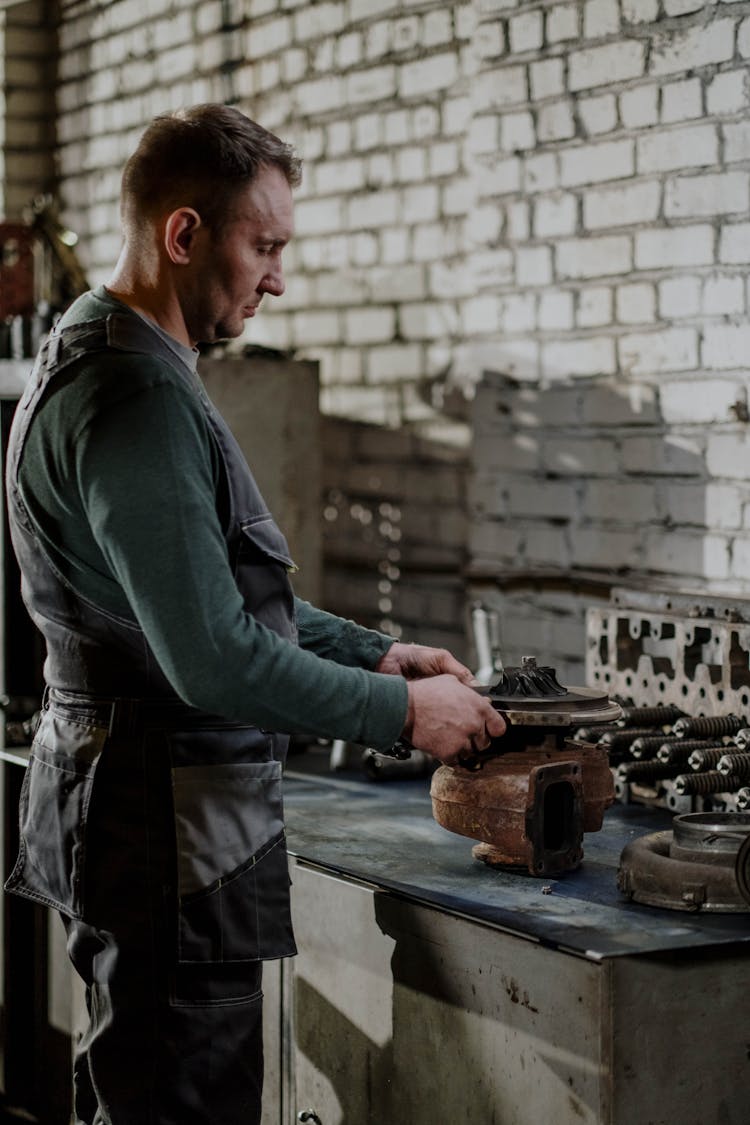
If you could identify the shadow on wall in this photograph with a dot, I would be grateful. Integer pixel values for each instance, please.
(395, 531)
(579, 487)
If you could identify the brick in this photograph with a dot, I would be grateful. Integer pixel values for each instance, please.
(555, 215)
(682, 100)
(540, 172)
(734, 243)
(517, 314)
(556, 311)
(319, 216)
(484, 134)
(534, 499)
(687, 147)
(593, 257)
(490, 268)
(616, 403)
(586, 356)
(727, 454)
(681, 7)
(647, 353)
(580, 457)
(698, 401)
(600, 18)
(517, 221)
(562, 23)
(639, 107)
(635, 303)
(678, 246)
(601, 66)
(723, 296)
(425, 122)
(533, 265)
(719, 193)
(525, 32)
(517, 131)
(489, 41)
(726, 93)
(405, 284)
(594, 307)
(390, 364)
(621, 206)
(726, 346)
(623, 501)
(267, 37)
(396, 127)
(373, 210)
(426, 76)
(737, 141)
(456, 113)
(371, 85)
(484, 225)
(311, 328)
(500, 87)
(319, 95)
(368, 9)
(598, 114)
(547, 79)
(679, 296)
(654, 456)
(555, 122)
(443, 159)
(480, 314)
(743, 38)
(691, 48)
(405, 33)
(594, 163)
(411, 165)
(426, 321)
(437, 28)
(339, 175)
(370, 325)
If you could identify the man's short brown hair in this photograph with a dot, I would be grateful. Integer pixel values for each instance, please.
(201, 158)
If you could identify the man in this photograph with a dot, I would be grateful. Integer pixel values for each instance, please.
(151, 816)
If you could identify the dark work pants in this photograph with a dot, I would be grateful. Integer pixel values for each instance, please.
(168, 1043)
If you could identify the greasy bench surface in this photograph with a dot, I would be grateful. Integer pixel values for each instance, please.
(383, 833)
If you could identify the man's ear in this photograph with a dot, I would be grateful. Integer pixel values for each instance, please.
(179, 234)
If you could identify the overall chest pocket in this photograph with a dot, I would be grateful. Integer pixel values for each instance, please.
(262, 568)
(232, 869)
(53, 814)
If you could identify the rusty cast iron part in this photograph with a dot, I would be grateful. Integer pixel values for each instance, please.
(529, 799)
(702, 864)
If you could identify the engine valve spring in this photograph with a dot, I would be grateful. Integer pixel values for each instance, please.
(623, 738)
(735, 763)
(708, 725)
(647, 746)
(592, 733)
(681, 749)
(706, 759)
(743, 797)
(742, 738)
(695, 784)
(651, 770)
(663, 716)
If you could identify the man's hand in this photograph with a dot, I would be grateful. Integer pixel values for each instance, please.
(414, 662)
(447, 719)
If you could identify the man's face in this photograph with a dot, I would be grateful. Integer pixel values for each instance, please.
(230, 271)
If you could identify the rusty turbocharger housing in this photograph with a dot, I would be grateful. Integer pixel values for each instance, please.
(537, 790)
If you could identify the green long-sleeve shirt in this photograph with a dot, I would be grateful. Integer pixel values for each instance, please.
(119, 475)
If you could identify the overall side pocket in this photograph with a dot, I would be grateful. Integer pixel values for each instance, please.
(53, 814)
(232, 871)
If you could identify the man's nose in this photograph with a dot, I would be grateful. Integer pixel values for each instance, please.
(273, 282)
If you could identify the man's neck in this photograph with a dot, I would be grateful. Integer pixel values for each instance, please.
(151, 299)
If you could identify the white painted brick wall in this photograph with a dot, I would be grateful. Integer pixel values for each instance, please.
(555, 189)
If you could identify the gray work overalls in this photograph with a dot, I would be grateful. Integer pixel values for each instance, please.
(156, 830)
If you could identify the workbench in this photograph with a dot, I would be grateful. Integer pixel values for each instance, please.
(432, 988)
